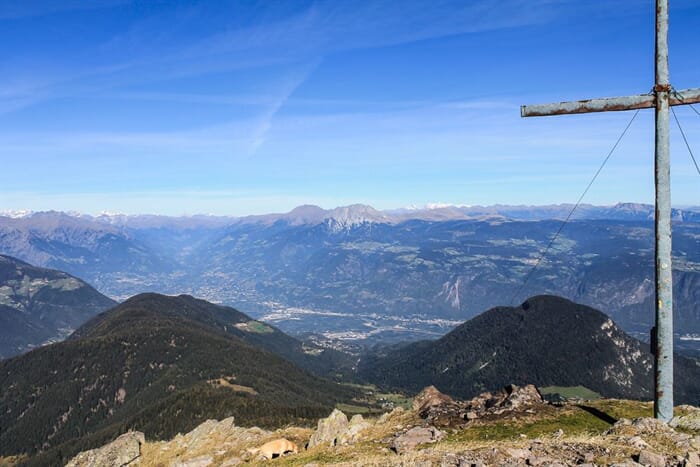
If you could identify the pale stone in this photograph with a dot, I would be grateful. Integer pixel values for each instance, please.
(122, 451)
(518, 453)
(687, 422)
(638, 442)
(329, 429)
(652, 459)
(356, 426)
(232, 462)
(201, 461)
(414, 437)
(692, 459)
(537, 460)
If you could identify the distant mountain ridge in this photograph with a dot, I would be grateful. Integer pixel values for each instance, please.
(339, 218)
(39, 305)
(359, 273)
(546, 341)
(157, 364)
(356, 214)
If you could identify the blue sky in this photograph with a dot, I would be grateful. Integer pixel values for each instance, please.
(249, 107)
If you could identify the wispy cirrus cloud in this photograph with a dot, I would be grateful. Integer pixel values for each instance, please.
(162, 47)
(266, 119)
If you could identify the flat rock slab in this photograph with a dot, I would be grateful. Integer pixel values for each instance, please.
(653, 459)
(415, 437)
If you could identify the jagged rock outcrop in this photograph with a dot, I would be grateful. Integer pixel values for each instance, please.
(336, 430)
(431, 399)
(202, 435)
(441, 410)
(355, 428)
(511, 397)
(329, 429)
(120, 452)
(202, 446)
(520, 397)
(437, 408)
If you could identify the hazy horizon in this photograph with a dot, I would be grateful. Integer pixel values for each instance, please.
(388, 209)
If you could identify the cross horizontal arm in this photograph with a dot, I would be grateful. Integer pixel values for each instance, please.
(608, 104)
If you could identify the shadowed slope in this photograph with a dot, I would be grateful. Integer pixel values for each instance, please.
(39, 305)
(546, 341)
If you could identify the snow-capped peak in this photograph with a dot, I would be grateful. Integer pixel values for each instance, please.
(16, 214)
(431, 206)
(345, 217)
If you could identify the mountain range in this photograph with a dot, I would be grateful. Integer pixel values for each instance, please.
(362, 213)
(356, 273)
(158, 364)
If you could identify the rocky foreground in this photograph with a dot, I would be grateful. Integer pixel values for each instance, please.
(514, 426)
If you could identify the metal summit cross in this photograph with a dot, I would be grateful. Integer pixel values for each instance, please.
(662, 98)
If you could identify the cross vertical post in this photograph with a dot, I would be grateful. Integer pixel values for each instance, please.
(664, 96)
(663, 368)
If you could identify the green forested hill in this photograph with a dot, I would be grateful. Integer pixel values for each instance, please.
(216, 317)
(546, 341)
(157, 364)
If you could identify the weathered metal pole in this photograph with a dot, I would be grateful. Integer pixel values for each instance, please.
(664, 96)
(609, 104)
(663, 383)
